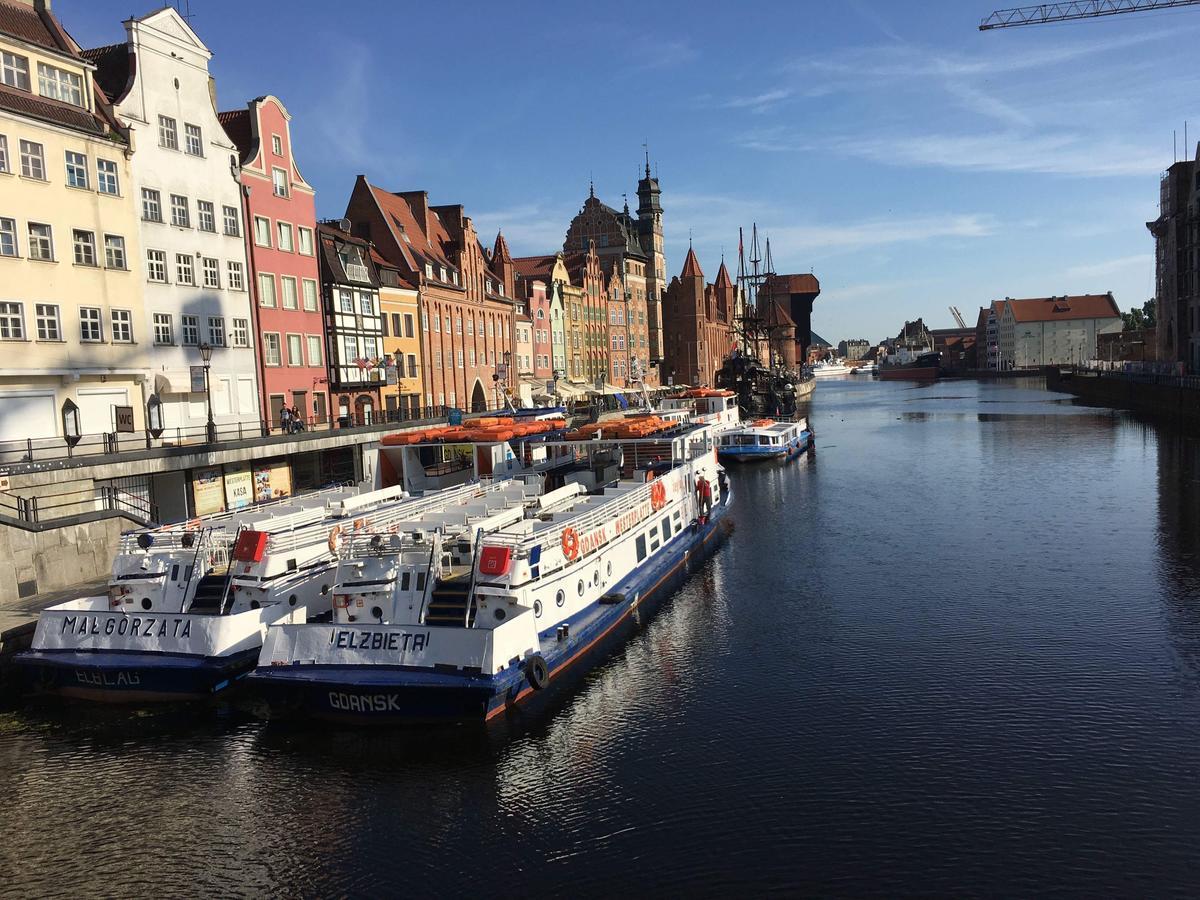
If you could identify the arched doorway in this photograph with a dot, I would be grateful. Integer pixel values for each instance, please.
(478, 397)
(364, 410)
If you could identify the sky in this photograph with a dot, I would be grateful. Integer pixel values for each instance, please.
(908, 160)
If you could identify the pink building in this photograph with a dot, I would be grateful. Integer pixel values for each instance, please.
(534, 274)
(280, 213)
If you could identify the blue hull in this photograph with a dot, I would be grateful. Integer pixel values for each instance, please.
(399, 695)
(757, 453)
(126, 677)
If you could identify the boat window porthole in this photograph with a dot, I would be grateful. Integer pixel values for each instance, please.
(560, 598)
(377, 612)
(146, 604)
(537, 609)
(293, 600)
(608, 571)
(580, 587)
(596, 577)
(500, 614)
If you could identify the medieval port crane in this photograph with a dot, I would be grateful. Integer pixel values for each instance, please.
(1045, 13)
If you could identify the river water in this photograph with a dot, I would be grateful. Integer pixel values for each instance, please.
(956, 653)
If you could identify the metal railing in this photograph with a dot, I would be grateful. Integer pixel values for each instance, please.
(30, 450)
(97, 498)
(1188, 382)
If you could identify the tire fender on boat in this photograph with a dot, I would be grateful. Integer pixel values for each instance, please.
(537, 672)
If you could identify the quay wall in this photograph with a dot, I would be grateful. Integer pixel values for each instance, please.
(1167, 398)
(55, 557)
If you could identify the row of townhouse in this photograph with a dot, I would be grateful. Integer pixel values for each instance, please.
(153, 247)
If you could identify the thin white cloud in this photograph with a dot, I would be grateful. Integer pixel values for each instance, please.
(1108, 267)
(529, 229)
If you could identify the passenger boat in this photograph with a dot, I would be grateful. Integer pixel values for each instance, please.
(866, 369)
(710, 406)
(925, 367)
(828, 368)
(765, 439)
(188, 605)
(471, 613)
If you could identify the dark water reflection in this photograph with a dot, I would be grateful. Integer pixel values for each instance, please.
(956, 654)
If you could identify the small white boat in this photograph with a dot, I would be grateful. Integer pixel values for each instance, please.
(867, 369)
(827, 368)
(764, 439)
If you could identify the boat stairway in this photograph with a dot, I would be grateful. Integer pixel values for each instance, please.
(209, 594)
(448, 602)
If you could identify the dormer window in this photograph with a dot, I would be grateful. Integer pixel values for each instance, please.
(59, 84)
(352, 262)
(428, 270)
(442, 273)
(14, 70)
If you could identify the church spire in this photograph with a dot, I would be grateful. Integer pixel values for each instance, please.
(691, 266)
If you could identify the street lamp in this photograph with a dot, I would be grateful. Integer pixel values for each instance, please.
(72, 431)
(206, 355)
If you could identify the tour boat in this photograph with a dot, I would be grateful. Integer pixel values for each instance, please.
(866, 369)
(827, 368)
(711, 406)
(188, 605)
(765, 439)
(468, 614)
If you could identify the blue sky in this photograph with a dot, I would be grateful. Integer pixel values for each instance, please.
(907, 159)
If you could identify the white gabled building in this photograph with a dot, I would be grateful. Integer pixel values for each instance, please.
(188, 194)
(1054, 331)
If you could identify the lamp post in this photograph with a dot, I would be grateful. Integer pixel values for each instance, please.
(206, 355)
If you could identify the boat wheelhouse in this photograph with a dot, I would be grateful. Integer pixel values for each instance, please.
(765, 439)
(709, 406)
(467, 614)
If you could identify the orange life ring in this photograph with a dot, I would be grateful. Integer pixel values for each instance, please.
(335, 538)
(570, 543)
(658, 495)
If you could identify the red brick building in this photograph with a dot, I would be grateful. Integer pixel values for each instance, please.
(466, 294)
(281, 221)
(698, 323)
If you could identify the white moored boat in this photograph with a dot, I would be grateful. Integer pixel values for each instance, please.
(765, 439)
(827, 368)
(462, 615)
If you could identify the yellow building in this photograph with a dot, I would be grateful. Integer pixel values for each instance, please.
(71, 310)
(401, 344)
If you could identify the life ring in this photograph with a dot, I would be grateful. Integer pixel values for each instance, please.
(570, 543)
(537, 672)
(658, 495)
(335, 538)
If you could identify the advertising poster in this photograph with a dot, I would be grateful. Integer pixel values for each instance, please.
(272, 481)
(208, 491)
(239, 489)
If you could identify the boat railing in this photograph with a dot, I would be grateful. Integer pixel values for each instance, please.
(431, 573)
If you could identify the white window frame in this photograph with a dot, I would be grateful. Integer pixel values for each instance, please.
(12, 320)
(121, 320)
(280, 190)
(263, 223)
(314, 342)
(14, 70)
(114, 244)
(151, 203)
(272, 349)
(77, 170)
(211, 267)
(33, 160)
(263, 279)
(304, 240)
(288, 300)
(164, 329)
(284, 228)
(60, 84)
(181, 212)
(87, 245)
(91, 325)
(190, 330)
(108, 175)
(210, 214)
(216, 331)
(240, 332)
(156, 260)
(311, 294)
(189, 137)
(48, 322)
(9, 244)
(185, 269)
(33, 242)
(299, 357)
(235, 276)
(168, 133)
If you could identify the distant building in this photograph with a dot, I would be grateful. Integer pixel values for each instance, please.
(793, 296)
(1052, 331)
(1177, 264)
(855, 348)
(1139, 345)
(698, 323)
(956, 346)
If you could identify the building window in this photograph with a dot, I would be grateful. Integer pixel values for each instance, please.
(156, 265)
(310, 294)
(8, 237)
(216, 331)
(151, 205)
(205, 216)
(305, 237)
(162, 329)
(314, 350)
(412, 365)
(106, 177)
(47, 322)
(232, 223)
(408, 325)
(114, 251)
(266, 289)
(346, 300)
(276, 145)
(122, 326)
(295, 350)
(471, 327)
(59, 84)
(33, 160)
(461, 362)
(262, 231)
(14, 70)
(279, 180)
(285, 236)
(41, 242)
(371, 348)
(212, 273)
(289, 291)
(184, 273)
(179, 211)
(4, 154)
(91, 328)
(349, 349)
(168, 136)
(458, 324)
(271, 354)
(85, 247)
(77, 170)
(12, 322)
(236, 281)
(193, 142)
(191, 331)
(241, 332)
(366, 303)
(471, 357)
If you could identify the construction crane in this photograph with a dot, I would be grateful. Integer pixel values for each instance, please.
(957, 317)
(1046, 13)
